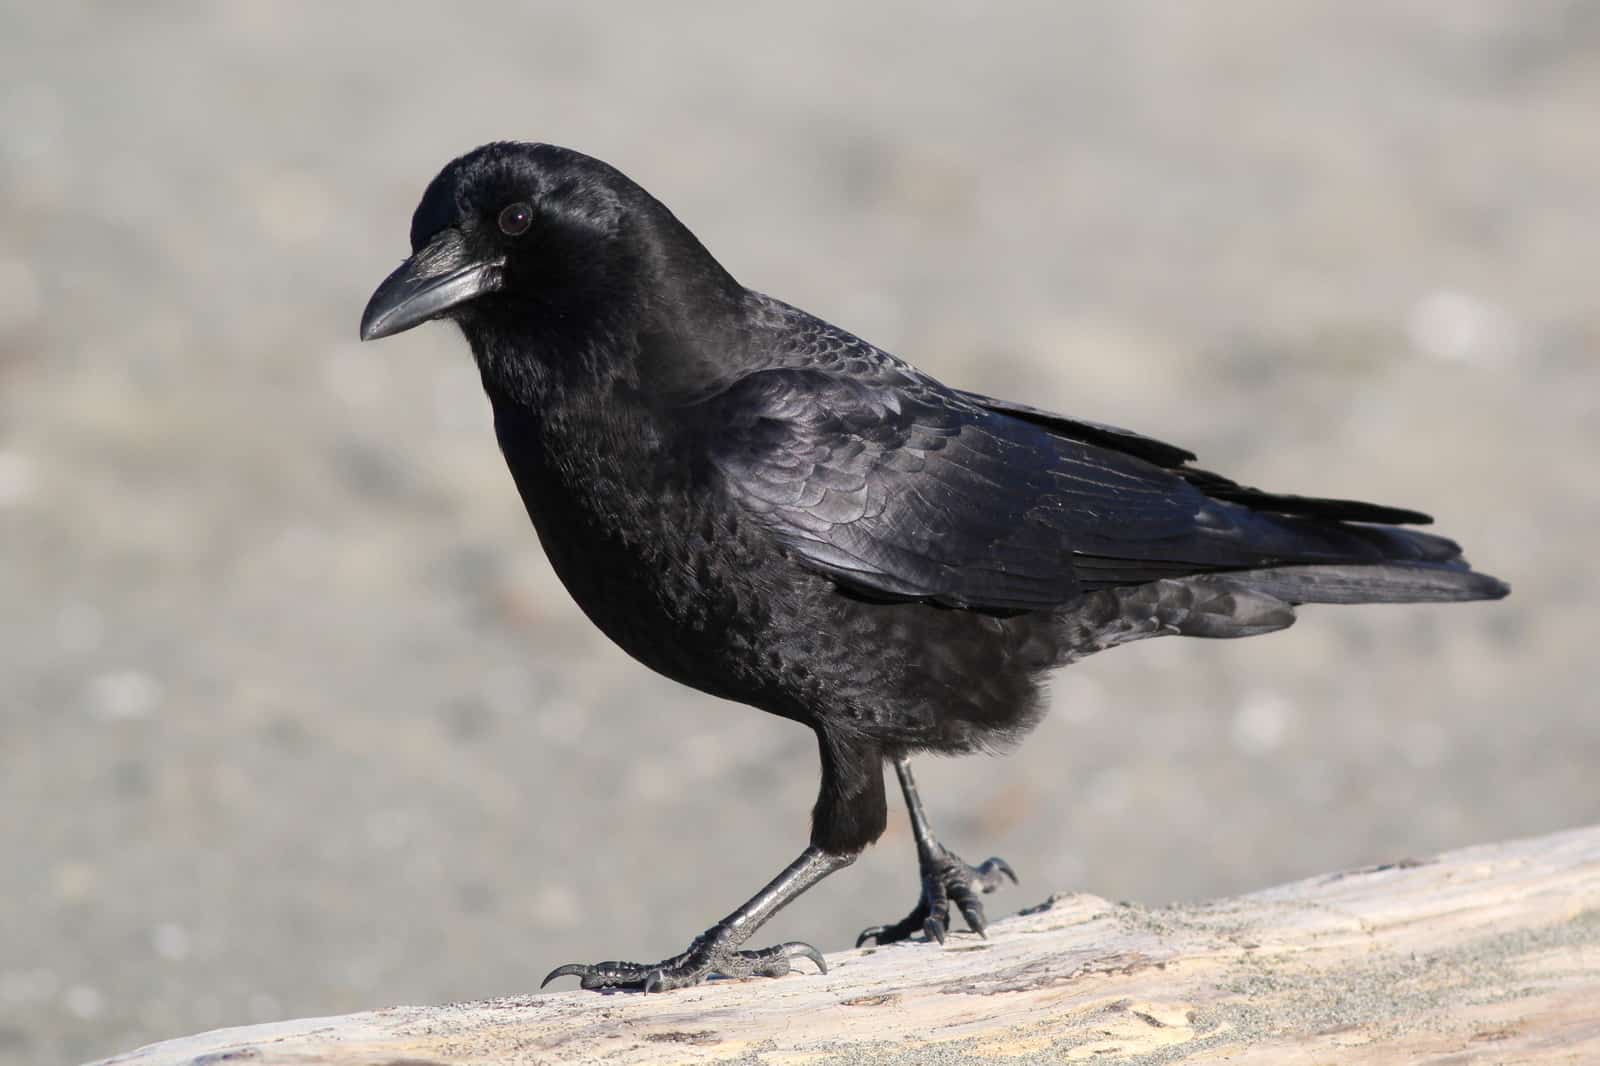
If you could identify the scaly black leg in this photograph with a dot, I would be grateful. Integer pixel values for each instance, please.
(945, 879)
(716, 951)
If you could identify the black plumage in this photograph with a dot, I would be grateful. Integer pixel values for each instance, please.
(760, 505)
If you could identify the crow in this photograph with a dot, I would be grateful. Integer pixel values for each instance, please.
(755, 503)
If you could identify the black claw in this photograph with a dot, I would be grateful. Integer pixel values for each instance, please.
(571, 969)
(933, 928)
(871, 932)
(996, 863)
(794, 949)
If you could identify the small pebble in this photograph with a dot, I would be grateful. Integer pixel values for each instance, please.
(124, 695)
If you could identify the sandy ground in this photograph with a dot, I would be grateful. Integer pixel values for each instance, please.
(294, 718)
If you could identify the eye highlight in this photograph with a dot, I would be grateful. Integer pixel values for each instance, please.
(515, 219)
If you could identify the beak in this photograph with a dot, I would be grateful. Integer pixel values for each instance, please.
(441, 276)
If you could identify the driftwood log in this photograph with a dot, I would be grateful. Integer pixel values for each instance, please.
(1490, 954)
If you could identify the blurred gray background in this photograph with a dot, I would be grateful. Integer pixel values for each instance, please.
(294, 717)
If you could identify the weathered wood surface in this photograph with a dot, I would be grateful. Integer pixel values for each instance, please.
(1490, 954)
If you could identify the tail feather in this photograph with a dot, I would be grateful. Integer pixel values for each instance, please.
(1387, 564)
(1395, 582)
(1246, 603)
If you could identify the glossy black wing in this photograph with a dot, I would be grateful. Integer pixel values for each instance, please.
(896, 488)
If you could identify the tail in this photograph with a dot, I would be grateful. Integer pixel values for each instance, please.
(1397, 582)
(1400, 566)
(1414, 568)
(1247, 603)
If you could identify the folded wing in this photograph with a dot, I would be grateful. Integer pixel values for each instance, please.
(899, 488)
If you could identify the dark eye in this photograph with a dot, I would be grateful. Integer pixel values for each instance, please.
(515, 220)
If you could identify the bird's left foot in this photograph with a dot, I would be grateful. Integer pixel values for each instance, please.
(945, 880)
(711, 954)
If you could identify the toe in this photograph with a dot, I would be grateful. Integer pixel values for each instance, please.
(971, 909)
(600, 975)
(571, 969)
(875, 933)
(904, 929)
(711, 953)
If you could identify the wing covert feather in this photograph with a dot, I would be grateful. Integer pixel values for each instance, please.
(915, 496)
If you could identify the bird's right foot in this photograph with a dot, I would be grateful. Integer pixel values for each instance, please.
(945, 880)
(712, 954)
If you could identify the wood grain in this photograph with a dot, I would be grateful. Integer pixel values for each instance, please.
(1490, 954)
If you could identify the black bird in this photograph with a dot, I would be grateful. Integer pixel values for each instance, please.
(764, 507)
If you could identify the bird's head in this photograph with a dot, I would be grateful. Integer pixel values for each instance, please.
(537, 240)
